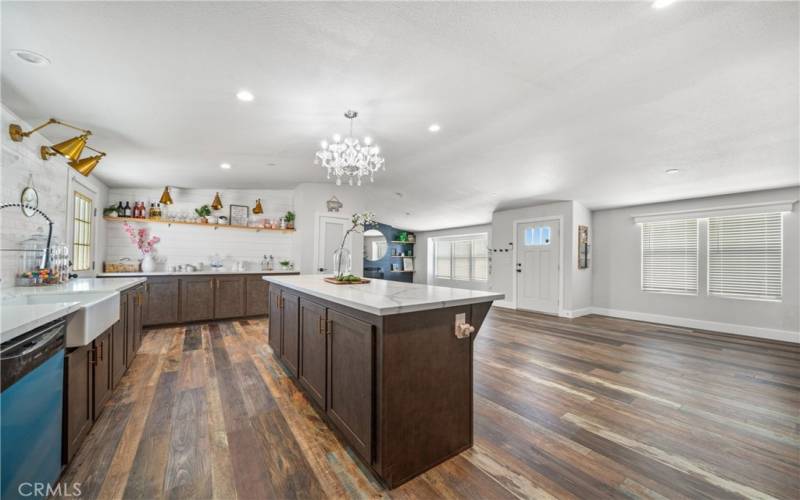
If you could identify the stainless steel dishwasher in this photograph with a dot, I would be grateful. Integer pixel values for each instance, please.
(31, 407)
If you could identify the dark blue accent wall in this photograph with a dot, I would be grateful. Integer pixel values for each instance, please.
(374, 269)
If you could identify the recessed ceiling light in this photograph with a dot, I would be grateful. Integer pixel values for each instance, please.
(270, 164)
(671, 171)
(245, 95)
(660, 4)
(31, 57)
(434, 127)
(225, 166)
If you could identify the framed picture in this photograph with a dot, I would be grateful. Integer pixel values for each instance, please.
(408, 264)
(583, 247)
(239, 215)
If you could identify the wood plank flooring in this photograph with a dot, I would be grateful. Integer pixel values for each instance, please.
(587, 408)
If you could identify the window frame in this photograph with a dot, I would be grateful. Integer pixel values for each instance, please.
(451, 240)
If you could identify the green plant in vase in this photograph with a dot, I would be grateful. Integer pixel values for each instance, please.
(289, 217)
(203, 212)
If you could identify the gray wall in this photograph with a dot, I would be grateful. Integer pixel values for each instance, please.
(616, 261)
(424, 262)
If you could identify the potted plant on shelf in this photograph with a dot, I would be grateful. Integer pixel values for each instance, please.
(289, 219)
(203, 212)
(285, 265)
(145, 246)
(110, 211)
(342, 262)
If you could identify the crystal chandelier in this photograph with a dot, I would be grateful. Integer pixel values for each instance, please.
(346, 157)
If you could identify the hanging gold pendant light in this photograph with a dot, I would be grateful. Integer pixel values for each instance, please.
(217, 203)
(166, 199)
(258, 209)
(84, 166)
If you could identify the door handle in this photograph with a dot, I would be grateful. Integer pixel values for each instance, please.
(329, 329)
(321, 325)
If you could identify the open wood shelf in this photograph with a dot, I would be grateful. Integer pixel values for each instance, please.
(404, 242)
(401, 271)
(402, 256)
(181, 223)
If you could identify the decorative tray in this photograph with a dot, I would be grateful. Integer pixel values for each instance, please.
(334, 281)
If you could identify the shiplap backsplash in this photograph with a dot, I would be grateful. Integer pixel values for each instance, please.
(181, 244)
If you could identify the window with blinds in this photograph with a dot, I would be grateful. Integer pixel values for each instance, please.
(462, 258)
(669, 256)
(745, 256)
(82, 233)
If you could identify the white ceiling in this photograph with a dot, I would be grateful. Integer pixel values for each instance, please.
(537, 101)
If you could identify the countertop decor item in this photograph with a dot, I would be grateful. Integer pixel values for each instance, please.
(46, 263)
(258, 209)
(342, 262)
(347, 158)
(166, 198)
(350, 279)
(144, 245)
(239, 214)
(217, 203)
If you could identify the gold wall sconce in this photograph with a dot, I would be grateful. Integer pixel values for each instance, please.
(84, 166)
(166, 199)
(70, 149)
(258, 209)
(217, 203)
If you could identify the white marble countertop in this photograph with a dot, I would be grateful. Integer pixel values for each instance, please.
(382, 297)
(194, 273)
(18, 318)
(78, 285)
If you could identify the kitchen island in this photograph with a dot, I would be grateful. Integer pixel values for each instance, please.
(388, 364)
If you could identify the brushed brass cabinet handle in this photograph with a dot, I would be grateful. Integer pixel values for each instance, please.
(101, 351)
(330, 327)
(321, 326)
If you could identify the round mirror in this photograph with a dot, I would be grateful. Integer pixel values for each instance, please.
(375, 245)
(29, 198)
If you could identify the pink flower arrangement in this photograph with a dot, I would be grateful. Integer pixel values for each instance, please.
(139, 238)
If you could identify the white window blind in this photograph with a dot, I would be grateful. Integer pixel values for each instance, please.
(745, 256)
(669, 256)
(463, 258)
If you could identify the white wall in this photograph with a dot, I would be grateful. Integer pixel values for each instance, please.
(616, 269)
(181, 244)
(577, 284)
(310, 201)
(423, 261)
(53, 179)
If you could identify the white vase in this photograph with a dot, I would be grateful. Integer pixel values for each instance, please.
(148, 263)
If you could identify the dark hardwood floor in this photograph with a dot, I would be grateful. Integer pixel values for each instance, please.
(586, 408)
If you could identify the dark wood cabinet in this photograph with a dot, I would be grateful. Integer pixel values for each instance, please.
(290, 345)
(275, 321)
(138, 316)
(161, 301)
(78, 407)
(311, 373)
(256, 301)
(130, 327)
(118, 355)
(229, 297)
(102, 371)
(350, 379)
(197, 298)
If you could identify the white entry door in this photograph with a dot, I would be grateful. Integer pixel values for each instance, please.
(537, 266)
(329, 237)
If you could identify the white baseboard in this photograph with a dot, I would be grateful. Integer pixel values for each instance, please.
(575, 313)
(750, 331)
